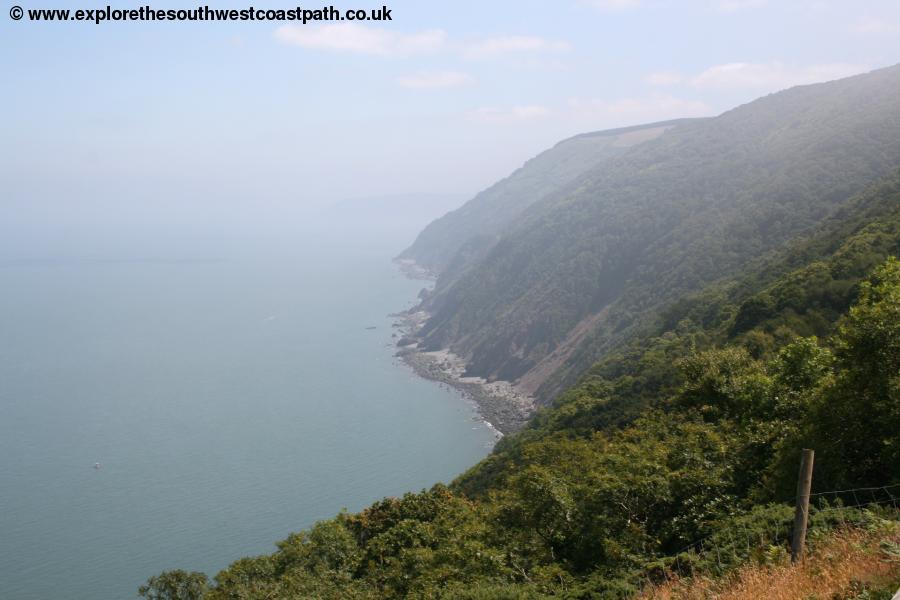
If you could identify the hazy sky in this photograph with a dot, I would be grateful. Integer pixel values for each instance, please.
(446, 98)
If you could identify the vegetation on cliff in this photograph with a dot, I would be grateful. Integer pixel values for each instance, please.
(583, 269)
(690, 434)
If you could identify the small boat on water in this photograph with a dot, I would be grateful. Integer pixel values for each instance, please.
(96, 465)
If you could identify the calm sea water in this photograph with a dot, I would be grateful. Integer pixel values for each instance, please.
(229, 402)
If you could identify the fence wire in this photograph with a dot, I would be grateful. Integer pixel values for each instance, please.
(722, 551)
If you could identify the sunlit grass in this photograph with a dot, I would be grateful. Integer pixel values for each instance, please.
(854, 564)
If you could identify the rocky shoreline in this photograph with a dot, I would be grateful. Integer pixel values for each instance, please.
(499, 404)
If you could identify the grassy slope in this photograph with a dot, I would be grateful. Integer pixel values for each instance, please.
(846, 565)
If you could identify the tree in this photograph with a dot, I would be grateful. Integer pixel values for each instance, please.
(856, 422)
(175, 585)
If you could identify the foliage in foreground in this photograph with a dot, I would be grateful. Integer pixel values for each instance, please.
(855, 564)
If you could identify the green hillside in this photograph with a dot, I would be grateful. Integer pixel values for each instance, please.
(799, 292)
(582, 270)
(690, 432)
(452, 242)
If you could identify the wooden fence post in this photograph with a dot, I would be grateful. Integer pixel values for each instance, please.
(801, 512)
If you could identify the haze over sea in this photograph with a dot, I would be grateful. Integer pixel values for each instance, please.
(230, 388)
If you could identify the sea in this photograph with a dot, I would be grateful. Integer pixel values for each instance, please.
(169, 404)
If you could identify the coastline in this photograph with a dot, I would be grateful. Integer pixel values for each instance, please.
(499, 404)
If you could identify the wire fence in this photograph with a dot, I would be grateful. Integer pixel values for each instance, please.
(766, 533)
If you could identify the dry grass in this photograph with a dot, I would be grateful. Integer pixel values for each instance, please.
(842, 567)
